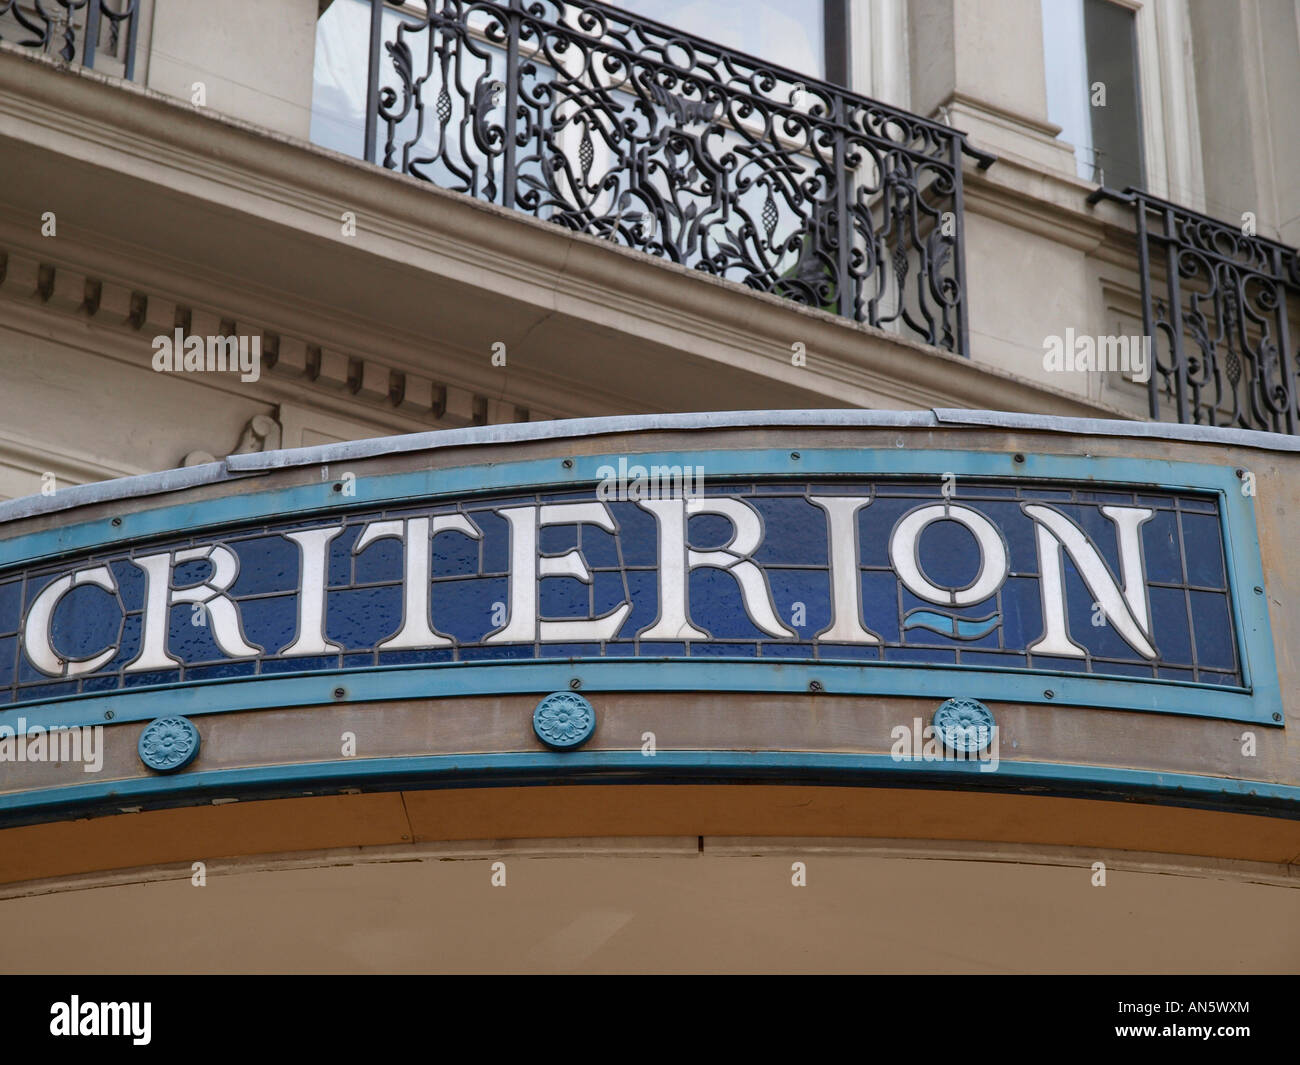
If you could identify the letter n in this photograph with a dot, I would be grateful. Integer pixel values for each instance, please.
(1125, 609)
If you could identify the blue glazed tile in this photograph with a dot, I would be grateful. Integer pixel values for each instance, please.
(799, 586)
(724, 650)
(362, 617)
(8, 653)
(142, 680)
(1123, 669)
(271, 623)
(1204, 546)
(557, 539)
(1160, 549)
(717, 608)
(454, 554)
(936, 655)
(229, 669)
(570, 650)
(11, 597)
(86, 622)
(308, 664)
(266, 564)
(775, 649)
(1169, 625)
(464, 609)
(879, 597)
(708, 532)
(505, 651)
(563, 597)
(599, 548)
(848, 651)
(495, 543)
(381, 560)
(47, 691)
(663, 649)
(430, 655)
(638, 534)
(794, 531)
(1214, 645)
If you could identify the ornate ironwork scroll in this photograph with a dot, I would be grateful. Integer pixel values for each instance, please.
(56, 27)
(616, 126)
(1216, 303)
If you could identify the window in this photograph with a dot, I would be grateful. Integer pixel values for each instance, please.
(1090, 55)
(808, 36)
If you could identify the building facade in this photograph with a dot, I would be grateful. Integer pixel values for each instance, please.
(656, 439)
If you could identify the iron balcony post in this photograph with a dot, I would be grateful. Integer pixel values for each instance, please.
(92, 35)
(959, 250)
(1284, 343)
(1170, 231)
(846, 301)
(513, 16)
(132, 30)
(372, 77)
(1148, 324)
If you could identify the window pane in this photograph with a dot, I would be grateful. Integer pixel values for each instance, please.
(787, 33)
(1088, 43)
(1066, 63)
(1112, 61)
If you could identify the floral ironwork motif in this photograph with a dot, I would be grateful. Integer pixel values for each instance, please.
(616, 126)
(564, 720)
(168, 744)
(1217, 303)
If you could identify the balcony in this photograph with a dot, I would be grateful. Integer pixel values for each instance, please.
(616, 126)
(99, 34)
(1220, 306)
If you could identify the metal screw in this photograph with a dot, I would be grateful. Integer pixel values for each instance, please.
(1277, 716)
(814, 685)
(1259, 590)
(338, 486)
(1050, 694)
(794, 455)
(1019, 457)
(575, 684)
(1239, 472)
(568, 464)
(339, 693)
(117, 522)
(108, 715)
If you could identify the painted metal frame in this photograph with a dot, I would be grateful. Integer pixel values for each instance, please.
(1258, 702)
(531, 768)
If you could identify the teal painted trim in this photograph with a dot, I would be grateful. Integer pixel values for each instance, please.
(505, 677)
(629, 767)
(1260, 703)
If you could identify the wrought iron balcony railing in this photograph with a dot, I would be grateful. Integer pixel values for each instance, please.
(68, 28)
(1218, 305)
(617, 126)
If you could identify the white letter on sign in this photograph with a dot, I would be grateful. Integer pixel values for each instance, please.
(1126, 611)
(227, 632)
(526, 567)
(676, 562)
(36, 633)
(846, 579)
(903, 555)
(313, 546)
(416, 535)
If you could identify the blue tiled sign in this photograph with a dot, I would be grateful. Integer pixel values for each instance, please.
(855, 568)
